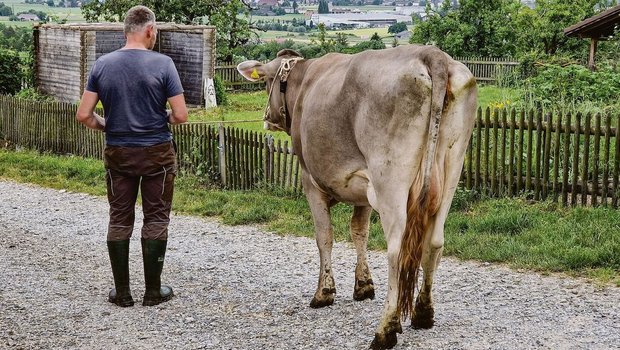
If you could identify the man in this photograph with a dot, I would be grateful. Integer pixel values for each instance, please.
(134, 84)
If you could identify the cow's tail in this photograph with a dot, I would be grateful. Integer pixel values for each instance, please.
(424, 194)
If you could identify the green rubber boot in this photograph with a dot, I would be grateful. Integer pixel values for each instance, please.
(153, 253)
(119, 258)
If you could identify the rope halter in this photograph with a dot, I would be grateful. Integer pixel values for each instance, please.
(286, 65)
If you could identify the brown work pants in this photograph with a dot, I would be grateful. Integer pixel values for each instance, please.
(149, 169)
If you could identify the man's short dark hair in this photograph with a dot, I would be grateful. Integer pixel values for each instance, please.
(137, 18)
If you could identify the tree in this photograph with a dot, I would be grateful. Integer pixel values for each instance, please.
(342, 42)
(10, 72)
(5, 10)
(50, 3)
(295, 7)
(323, 6)
(475, 28)
(542, 28)
(397, 28)
(326, 45)
(232, 29)
(375, 43)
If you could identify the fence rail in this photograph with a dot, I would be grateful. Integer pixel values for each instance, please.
(485, 69)
(570, 159)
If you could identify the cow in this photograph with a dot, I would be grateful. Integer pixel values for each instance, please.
(384, 130)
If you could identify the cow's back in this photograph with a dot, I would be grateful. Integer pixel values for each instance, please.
(360, 111)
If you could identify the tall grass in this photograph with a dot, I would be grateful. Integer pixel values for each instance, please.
(541, 236)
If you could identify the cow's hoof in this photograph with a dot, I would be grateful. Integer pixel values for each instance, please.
(383, 341)
(322, 300)
(423, 317)
(364, 290)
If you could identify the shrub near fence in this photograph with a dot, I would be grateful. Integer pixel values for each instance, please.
(227, 157)
(572, 159)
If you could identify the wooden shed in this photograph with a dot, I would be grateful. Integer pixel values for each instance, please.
(64, 54)
(596, 28)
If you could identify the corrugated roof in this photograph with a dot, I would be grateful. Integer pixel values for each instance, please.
(599, 26)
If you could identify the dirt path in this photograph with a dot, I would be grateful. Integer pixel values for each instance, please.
(241, 288)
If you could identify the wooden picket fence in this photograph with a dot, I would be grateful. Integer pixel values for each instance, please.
(232, 80)
(485, 69)
(568, 158)
(490, 69)
(228, 157)
(572, 159)
(236, 158)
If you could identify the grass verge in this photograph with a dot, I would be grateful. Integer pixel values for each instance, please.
(542, 237)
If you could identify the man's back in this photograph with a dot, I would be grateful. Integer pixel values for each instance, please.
(133, 86)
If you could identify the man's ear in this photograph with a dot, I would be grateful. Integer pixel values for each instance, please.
(251, 70)
(150, 29)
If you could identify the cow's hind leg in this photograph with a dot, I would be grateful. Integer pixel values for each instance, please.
(423, 314)
(391, 208)
(319, 204)
(364, 287)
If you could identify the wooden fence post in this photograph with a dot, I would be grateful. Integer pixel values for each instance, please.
(222, 152)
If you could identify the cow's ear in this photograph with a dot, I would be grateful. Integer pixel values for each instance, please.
(251, 70)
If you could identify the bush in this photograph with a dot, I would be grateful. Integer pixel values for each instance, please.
(10, 72)
(220, 91)
(33, 94)
(570, 87)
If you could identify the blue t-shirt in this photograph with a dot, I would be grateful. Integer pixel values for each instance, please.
(133, 86)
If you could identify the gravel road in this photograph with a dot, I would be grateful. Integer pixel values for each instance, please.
(244, 288)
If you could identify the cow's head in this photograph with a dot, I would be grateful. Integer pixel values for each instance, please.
(275, 73)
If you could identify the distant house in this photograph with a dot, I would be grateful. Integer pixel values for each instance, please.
(265, 7)
(358, 20)
(404, 35)
(28, 17)
(261, 3)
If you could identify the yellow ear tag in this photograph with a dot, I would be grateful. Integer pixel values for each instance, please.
(254, 74)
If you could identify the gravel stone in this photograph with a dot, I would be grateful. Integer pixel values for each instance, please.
(244, 288)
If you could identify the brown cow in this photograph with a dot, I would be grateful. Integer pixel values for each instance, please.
(384, 130)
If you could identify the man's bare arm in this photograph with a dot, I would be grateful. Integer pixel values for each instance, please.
(178, 114)
(86, 111)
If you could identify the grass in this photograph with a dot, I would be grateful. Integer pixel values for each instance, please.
(70, 14)
(540, 237)
(496, 97)
(246, 108)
